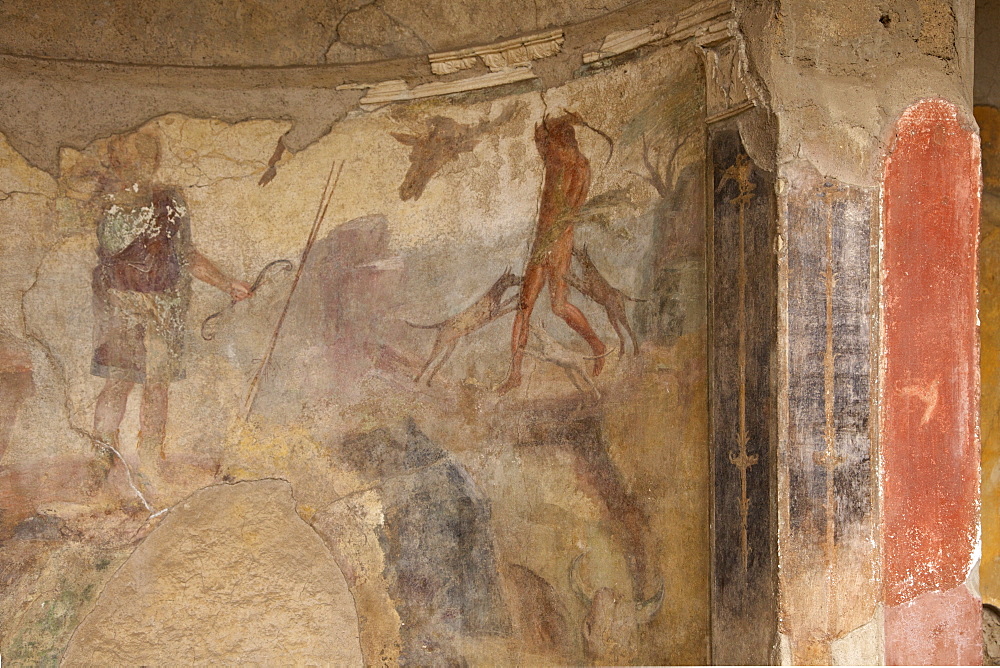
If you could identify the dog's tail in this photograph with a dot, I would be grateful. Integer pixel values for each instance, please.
(434, 326)
(597, 357)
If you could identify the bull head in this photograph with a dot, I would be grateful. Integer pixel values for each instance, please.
(442, 140)
(613, 622)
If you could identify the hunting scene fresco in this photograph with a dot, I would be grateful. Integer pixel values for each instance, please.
(462, 341)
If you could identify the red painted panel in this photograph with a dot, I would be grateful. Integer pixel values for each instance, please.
(936, 629)
(929, 365)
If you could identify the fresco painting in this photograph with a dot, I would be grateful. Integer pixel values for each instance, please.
(743, 289)
(501, 472)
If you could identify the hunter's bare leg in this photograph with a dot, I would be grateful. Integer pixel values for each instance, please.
(108, 413)
(152, 424)
(534, 280)
(559, 262)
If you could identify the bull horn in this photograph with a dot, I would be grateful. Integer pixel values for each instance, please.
(647, 609)
(505, 116)
(576, 583)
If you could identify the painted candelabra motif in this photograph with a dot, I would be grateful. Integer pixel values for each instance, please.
(740, 172)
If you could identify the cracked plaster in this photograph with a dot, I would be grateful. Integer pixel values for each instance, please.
(463, 226)
(837, 77)
(71, 101)
(231, 571)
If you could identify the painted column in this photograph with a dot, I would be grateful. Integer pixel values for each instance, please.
(929, 387)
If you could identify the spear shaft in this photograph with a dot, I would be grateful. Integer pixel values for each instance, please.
(324, 204)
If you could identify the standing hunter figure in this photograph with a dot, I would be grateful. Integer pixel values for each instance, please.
(141, 292)
(564, 190)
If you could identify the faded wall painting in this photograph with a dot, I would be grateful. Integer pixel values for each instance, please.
(830, 514)
(431, 391)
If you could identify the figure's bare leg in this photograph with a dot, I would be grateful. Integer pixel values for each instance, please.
(562, 254)
(575, 319)
(108, 413)
(534, 280)
(152, 423)
(110, 407)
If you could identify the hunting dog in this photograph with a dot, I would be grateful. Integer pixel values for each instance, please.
(595, 287)
(547, 349)
(483, 311)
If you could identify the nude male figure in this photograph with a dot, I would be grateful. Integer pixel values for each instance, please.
(564, 190)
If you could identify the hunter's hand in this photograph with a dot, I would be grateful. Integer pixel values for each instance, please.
(239, 290)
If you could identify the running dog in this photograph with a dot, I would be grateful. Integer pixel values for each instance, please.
(483, 311)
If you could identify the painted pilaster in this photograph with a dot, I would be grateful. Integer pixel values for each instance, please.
(929, 380)
(742, 307)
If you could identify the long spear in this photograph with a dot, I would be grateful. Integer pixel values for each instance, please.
(324, 204)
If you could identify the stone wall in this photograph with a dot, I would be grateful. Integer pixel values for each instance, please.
(837, 77)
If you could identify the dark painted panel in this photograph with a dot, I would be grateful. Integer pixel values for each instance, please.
(829, 338)
(743, 289)
(828, 579)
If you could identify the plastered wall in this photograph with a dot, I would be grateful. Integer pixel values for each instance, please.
(577, 499)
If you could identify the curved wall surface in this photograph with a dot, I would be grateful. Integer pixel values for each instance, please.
(460, 355)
